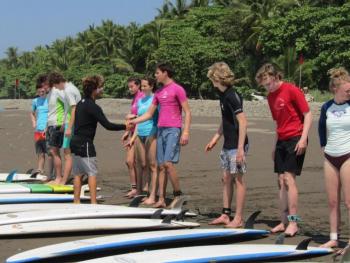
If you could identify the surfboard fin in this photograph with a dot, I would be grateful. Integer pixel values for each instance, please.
(180, 203)
(303, 244)
(10, 176)
(168, 218)
(29, 171)
(135, 202)
(251, 220)
(157, 214)
(181, 216)
(34, 173)
(280, 239)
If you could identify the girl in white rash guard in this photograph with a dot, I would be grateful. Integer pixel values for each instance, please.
(334, 134)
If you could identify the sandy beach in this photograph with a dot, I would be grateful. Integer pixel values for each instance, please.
(200, 173)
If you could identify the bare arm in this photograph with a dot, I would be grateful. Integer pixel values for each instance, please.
(186, 130)
(33, 119)
(144, 117)
(242, 134)
(302, 144)
(71, 121)
(215, 139)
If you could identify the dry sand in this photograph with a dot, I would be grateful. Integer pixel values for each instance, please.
(200, 174)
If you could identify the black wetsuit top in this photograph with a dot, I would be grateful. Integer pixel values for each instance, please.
(231, 104)
(87, 114)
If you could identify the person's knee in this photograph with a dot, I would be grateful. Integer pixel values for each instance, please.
(226, 178)
(333, 203)
(130, 163)
(168, 165)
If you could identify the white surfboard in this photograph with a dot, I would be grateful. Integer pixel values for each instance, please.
(13, 188)
(37, 198)
(19, 177)
(135, 241)
(91, 225)
(76, 212)
(216, 253)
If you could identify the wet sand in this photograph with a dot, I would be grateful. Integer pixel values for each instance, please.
(200, 177)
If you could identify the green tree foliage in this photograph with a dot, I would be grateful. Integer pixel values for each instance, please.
(193, 34)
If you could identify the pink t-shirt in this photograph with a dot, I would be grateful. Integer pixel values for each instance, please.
(139, 94)
(169, 98)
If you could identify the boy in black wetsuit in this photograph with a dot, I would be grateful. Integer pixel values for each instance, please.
(234, 129)
(87, 114)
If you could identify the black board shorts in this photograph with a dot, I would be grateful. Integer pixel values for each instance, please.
(286, 159)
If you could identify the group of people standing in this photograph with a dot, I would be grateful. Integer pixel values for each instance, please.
(155, 132)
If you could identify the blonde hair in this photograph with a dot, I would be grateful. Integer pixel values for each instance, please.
(269, 69)
(221, 72)
(337, 77)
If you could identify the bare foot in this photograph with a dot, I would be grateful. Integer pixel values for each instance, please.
(235, 224)
(221, 220)
(279, 228)
(131, 194)
(330, 244)
(160, 204)
(149, 201)
(292, 229)
(55, 182)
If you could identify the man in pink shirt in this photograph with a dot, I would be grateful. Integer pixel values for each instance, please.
(172, 100)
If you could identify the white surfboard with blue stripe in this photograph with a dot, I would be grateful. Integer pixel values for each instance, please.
(215, 253)
(135, 241)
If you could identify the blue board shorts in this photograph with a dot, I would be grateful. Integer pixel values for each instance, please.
(66, 140)
(168, 145)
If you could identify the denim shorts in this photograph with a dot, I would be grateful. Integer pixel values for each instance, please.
(228, 161)
(168, 145)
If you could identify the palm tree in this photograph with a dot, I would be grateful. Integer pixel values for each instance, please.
(200, 3)
(12, 57)
(61, 53)
(164, 11)
(26, 59)
(83, 48)
(180, 8)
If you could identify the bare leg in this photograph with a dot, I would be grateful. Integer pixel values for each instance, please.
(130, 162)
(77, 188)
(240, 198)
(140, 153)
(93, 189)
(41, 162)
(227, 193)
(152, 162)
(55, 153)
(283, 200)
(162, 187)
(68, 162)
(290, 182)
(50, 166)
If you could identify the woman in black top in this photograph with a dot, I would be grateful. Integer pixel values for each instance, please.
(87, 114)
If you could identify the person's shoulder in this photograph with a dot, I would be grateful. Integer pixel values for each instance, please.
(327, 104)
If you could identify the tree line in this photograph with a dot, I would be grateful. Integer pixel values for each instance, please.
(300, 36)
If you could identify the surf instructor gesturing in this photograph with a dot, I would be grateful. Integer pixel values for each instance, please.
(87, 114)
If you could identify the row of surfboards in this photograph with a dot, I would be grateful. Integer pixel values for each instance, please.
(28, 213)
(29, 188)
(180, 244)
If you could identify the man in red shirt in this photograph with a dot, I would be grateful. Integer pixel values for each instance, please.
(293, 119)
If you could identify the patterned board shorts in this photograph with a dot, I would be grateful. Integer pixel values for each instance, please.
(228, 161)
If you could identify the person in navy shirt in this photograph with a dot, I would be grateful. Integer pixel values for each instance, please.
(334, 134)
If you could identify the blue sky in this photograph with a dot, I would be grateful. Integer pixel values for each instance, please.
(29, 23)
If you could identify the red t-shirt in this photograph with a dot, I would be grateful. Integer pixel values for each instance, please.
(288, 105)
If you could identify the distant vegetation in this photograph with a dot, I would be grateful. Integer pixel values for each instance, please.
(192, 35)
